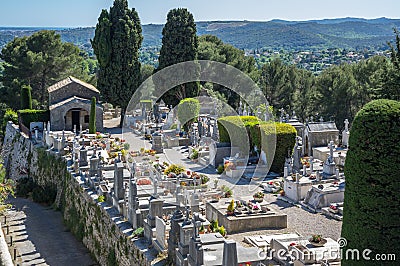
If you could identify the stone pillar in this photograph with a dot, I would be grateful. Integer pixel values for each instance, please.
(132, 207)
(345, 134)
(155, 210)
(119, 192)
(230, 253)
(83, 156)
(94, 165)
(285, 172)
(174, 234)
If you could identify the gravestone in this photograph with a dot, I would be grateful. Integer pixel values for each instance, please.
(157, 142)
(83, 156)
(174, 233)
(94, 164)
(119, 191)
(132, 203)
(230, 253)
(161, 228)
(329, 165)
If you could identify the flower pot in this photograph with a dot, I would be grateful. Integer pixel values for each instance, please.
(229, 213)
(258, 199)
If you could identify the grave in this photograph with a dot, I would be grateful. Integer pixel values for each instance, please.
(271, 218)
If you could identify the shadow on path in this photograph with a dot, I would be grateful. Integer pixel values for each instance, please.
(41, 238)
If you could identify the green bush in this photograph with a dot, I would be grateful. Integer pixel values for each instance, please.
(251, 127)
(285, 137)
(28, 115)
(10, 115)
(237, 127)
(92, 117)
(26, 97)
(371, 216)
(220, 169)
(188, 111)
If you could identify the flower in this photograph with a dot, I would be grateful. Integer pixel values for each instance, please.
(292, 244)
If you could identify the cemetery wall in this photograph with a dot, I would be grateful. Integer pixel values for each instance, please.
(97, 225)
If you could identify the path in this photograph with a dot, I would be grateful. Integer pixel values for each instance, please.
(41, 238)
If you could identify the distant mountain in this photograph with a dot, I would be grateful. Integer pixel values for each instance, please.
(349, 33)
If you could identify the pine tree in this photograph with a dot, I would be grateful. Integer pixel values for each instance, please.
(26, 97)
(179, 44)
(116, 43)
(92, 117)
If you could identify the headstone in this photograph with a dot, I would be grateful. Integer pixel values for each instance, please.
(230, 253)
(83, 156)
(155, 210)
(160, 233)
(94, 165)
(132, 203)
(174, 233)
(157, 142)
(329, 165)
(285, 172)
(119, 192)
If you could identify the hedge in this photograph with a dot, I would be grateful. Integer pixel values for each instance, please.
(26, 97)
(249, 126)
(28, 115)
(284, 135)
(371, 217)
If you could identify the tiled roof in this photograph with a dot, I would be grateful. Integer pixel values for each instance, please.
(68, 81)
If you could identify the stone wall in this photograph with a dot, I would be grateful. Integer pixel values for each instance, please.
(99, 226)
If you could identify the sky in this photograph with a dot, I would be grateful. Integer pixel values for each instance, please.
(84, 13)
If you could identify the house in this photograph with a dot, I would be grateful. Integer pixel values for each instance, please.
(69, 105)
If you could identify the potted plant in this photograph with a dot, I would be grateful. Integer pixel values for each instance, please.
(258, 196)
(222, 230)
(231, 208)
(201, 230)
(317, 240)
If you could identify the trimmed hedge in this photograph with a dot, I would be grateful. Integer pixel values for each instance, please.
(251, 127)
(283, 134)
(371, 216)
(26, 97)
(28, 115)
(188, 111)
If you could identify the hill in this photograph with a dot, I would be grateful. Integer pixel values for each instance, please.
(348, 33)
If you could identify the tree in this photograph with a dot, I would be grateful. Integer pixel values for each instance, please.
(188, 111)
(371, 218)
(26, 97)
(118, 37)
(179, 44)
(92, 117)
(391, 85)
(38, 60)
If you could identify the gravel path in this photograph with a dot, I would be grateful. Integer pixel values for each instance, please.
(41, 238)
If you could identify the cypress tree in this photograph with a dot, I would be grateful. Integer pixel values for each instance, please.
(179, 44)
(371, 218)
(92, 117)
(118, 37)
(26, 97)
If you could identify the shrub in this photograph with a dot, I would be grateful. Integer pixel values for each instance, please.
(371, 217)
(101, 198)
(285, 137)
(139, 232)
(92, 117)
(204, 179)
(26, 97)
(188, 111)
(28, 115)
(173, 168)
(195, 154)
(10, 115)
(220, 169)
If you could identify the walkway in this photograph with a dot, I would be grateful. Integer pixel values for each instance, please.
(40, 237)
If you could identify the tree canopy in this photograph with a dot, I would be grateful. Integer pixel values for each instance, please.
(118, 37)
(179, 44)
(39, 61)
